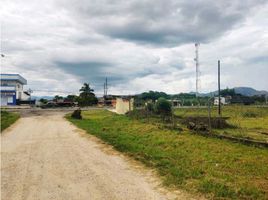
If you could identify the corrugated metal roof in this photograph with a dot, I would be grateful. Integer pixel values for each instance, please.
(13, 77)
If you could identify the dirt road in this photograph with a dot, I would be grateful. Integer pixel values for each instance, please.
(46, 157)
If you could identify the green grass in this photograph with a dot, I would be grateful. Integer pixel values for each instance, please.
(250, 121)
(217, 168)
(8, 118)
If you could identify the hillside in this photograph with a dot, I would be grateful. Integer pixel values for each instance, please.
(247, 91)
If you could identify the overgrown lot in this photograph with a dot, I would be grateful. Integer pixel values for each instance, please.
(217, 168)
(8, 118)
(247, 121)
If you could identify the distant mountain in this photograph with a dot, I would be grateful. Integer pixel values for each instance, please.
(247, 91)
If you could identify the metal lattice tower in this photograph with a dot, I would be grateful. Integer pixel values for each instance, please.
(197, 83)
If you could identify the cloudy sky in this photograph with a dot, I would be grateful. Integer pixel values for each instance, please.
(139, 45)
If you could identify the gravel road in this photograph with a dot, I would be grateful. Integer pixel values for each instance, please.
(46, 157)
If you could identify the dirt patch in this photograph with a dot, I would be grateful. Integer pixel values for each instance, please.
(216, 122)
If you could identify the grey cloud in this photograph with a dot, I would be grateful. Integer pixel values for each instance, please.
(95, 72)
(164, 23)
(67, 42)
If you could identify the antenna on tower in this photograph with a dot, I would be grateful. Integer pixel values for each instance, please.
(196, 59)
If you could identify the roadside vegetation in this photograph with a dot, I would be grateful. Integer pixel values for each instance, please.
(219, 169)
(8, 118)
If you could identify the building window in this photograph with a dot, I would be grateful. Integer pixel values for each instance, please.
(10, 100)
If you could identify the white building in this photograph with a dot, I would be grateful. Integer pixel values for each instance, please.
(12, 89)
(216, 101)
(175, 103)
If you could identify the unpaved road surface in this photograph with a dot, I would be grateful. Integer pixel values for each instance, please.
(45, 157)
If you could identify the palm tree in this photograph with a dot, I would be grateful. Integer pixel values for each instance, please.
(86, 91)
(87, 97)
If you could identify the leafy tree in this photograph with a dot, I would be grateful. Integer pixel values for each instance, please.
(228, 92)
(153, 95)
(72, 98)
(57, 97)
(86, 96)
(163, 107)
(259, 98)
(43, 101)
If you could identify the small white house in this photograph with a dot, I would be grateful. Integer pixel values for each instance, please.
(175, 103)
(12, 89)
(124, 104)
(222, 99)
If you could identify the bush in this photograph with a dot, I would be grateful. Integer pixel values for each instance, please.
(163, 107)
(76, 114)
(88, 101)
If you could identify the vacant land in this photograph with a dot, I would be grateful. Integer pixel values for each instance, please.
(247, 121)
(8, 118)
(218, 168)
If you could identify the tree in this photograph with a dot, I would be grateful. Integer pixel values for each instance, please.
(86, 91)
(86, 96)
(228, 92)
(57, 97)
(153, 95)
(163, 107)
(43, 101)
(72, 98)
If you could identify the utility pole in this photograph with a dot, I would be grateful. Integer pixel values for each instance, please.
(219, 87)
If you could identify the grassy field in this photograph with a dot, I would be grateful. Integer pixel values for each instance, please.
(217, 168)
(8, 118)
(250, 122)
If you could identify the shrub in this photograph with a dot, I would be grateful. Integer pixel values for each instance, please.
(163, 107)
(76, 114)
(88, 101)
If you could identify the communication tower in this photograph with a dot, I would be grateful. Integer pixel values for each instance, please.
(197, 83)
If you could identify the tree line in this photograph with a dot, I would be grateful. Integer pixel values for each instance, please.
(86, 97)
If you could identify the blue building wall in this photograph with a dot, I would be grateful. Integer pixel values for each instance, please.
(12, 94)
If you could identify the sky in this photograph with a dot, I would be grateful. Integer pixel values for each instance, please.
(139, 45)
